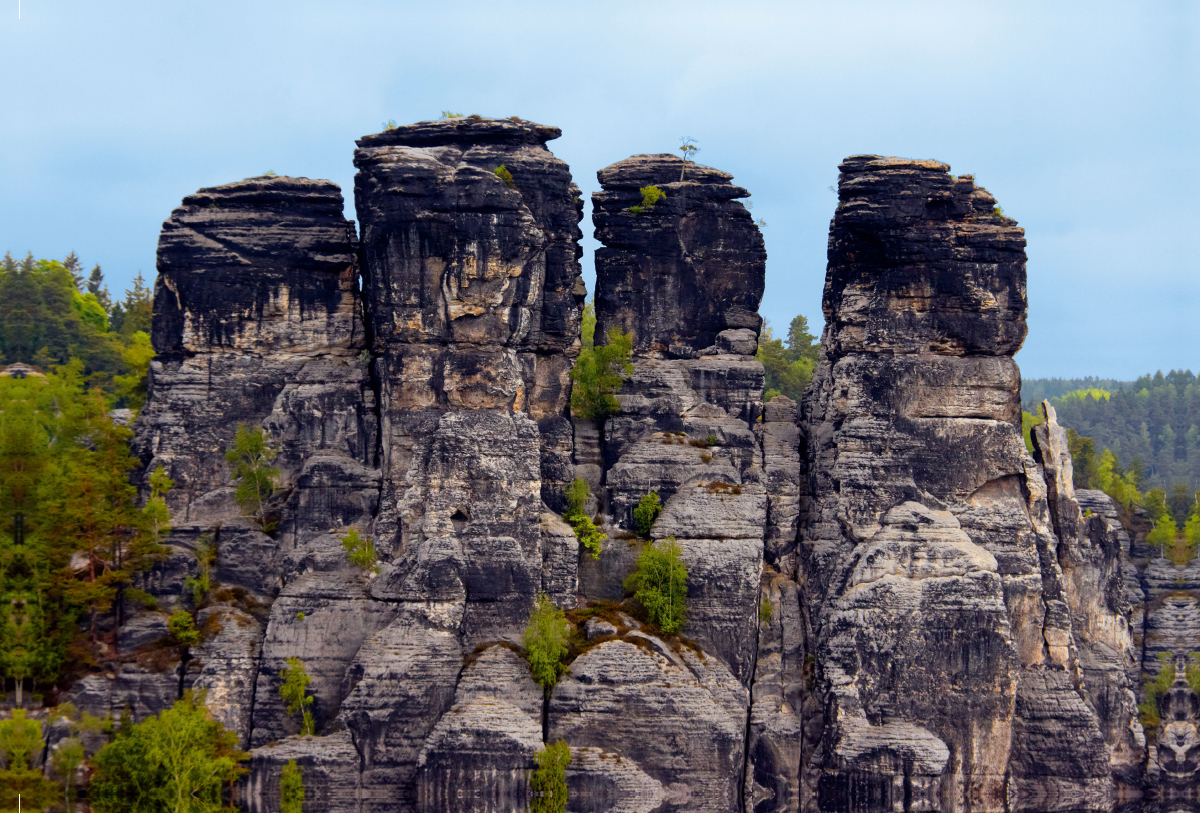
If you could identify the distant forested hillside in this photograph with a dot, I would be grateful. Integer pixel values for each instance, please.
(1036, 390)
(1137, 440)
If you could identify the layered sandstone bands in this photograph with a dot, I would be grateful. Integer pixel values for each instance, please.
(892, 605)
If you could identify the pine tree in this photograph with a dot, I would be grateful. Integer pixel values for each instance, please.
(75, 267)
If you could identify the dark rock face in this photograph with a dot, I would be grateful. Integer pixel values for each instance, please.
(892, 605)
(685, 270)
(473, 290)
(668, 726)
(941, 628)
(257, 321)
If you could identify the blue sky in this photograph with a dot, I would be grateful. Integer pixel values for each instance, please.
(1081, 118)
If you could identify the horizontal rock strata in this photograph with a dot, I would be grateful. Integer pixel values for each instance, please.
(892, 604)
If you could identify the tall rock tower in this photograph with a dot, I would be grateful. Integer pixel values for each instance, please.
(945, 662)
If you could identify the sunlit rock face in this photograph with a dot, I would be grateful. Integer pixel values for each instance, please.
(946, 667)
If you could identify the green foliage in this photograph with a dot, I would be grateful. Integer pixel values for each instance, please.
(201, 584)
(66, 758)
(1121, 487)
(1083, 458)
(598, 375)
(20, 743)
(548, 782)
(446, 114)
(586, 532)
(650, 196)
(250, 458)
(360, 550)
(176, 762)
(182, 628)
(1192, 671)
(788, 367)
(766, 610)
(545, 642)
(294, 692)
(587, 325)
(72, 537)
(291, 789)
(1151, 425)
(390, 124)
(648, 509)
(503, 174)
(46, 320)
(1160, 685)
(1028, 421)
(998, 212)
(659, 584)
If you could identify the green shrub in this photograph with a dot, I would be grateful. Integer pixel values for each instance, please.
(20, 743)
(635, 209)
(598, 375)
(548, 783)
(390, 124)
(651, 195)
(250, 458)
(201, 584)
(294, 692)
(585, 530)
(648, 509)
(360, 551)
(291, 789)
(182, 628)
(1161, 684)
(545, 642)
(766, 610)
(659, 584)
(503, 174)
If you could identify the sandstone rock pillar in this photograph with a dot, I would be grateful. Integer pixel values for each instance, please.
(942, 642)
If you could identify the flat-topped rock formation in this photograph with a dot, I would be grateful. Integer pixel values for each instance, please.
(941, 621)
(892, 604)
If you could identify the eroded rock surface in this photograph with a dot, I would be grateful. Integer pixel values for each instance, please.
(941, 630)
(892, 605)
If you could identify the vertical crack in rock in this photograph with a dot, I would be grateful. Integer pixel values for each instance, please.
(946, 668)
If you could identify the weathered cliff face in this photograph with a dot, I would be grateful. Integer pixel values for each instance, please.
(685, 277)
(473, 288)
(892, 605)
(257, 320)
(941, 624)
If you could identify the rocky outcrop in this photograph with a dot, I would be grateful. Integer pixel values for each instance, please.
(945, 663)
(892, 605)
(1090, 555)
(686, 271)
(257, 321)
(679, 276)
